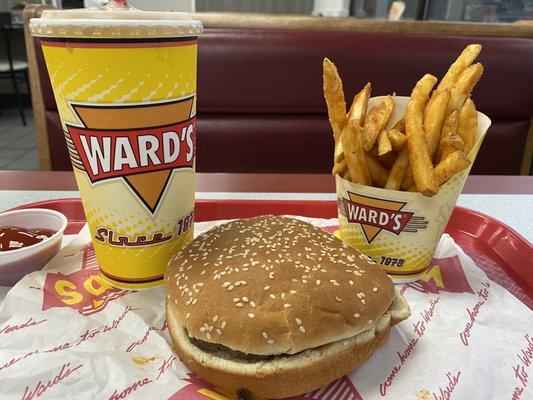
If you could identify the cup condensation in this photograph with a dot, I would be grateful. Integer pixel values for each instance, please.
(400, 230)
(125, 88)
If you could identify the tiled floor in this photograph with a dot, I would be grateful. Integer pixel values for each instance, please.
(17, 142)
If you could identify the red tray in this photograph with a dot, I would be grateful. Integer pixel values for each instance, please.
(499, 250)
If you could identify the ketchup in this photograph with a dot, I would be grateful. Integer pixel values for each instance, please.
(14, 237)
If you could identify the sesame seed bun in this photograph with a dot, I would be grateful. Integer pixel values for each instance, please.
(271, 287)
(288, 375)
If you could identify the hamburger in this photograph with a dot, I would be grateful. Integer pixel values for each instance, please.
(272, 307)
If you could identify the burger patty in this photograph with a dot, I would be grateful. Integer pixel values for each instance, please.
(226, 353)
(221, 351)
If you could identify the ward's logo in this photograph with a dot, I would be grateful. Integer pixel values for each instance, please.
(138, 143)
(375, 215)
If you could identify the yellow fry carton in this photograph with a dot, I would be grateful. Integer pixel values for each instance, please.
(400, 230)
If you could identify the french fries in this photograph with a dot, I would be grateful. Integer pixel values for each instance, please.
(400, 125)
(360, 105)
(449, 144)
(467, 57)
(346, 175)
(450, 124)
(451, 165)
(384, 144)
(358, 114)
(340, 167)
(334, 96)
(388, 159)
(463, 87)
(339, 163)
(423, 173)
(378, 172)
(352, 141)
(354, 154)
(467, 125)
(448, 127)
(376, 120)
(397, 171)
(433, 120)
(424, 148)
(397, 140)
(408, 179)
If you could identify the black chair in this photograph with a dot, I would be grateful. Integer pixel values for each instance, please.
(16, 70)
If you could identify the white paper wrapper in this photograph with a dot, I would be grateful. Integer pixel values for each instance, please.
(400, 230)
(64, 334)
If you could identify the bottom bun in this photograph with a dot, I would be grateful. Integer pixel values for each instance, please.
(284, 376)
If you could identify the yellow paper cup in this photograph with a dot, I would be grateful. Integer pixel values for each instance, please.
(125, 87)
(399, 230)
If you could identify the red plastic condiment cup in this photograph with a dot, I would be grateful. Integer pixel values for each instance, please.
(15, 264)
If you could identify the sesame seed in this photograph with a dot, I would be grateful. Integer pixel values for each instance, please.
(351, 283)
(187, 316)
(356, 315)
(282, 295)
(375, 289)
(298, 321)
(223, 324)
(226, 284)
(286, 305)
(302, 329)
(250, 315)
(236, 300)
(252, 304)
(215, 318)
(338, 299)
(208, 336)
(194, 301)
(219, 331)
(265, 335)
(273, 296)
(176, 301)
(267, 287)
(369, 322)
(293, 292)
(363, 301)
(239, 305)
(230, 288)
(245, 299)
(271, 341)
(202, 329)
(317, 282)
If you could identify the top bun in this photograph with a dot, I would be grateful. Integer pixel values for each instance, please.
(274, 285)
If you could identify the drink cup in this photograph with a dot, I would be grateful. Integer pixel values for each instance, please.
(125, 86)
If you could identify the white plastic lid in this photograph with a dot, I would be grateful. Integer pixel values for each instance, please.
(113, 23)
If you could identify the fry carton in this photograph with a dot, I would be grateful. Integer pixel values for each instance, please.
(400, 230)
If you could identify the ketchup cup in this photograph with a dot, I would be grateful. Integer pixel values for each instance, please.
(15, 264)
